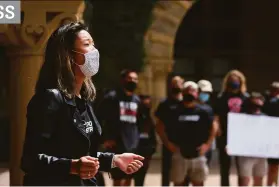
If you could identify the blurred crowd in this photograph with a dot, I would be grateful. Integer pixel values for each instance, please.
(189, 122)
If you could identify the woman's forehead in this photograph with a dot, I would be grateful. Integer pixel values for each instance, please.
(84, 35)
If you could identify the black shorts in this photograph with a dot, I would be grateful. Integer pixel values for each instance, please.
(273, 161)
(117, 174)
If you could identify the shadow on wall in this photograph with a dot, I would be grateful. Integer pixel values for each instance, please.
(4, 139)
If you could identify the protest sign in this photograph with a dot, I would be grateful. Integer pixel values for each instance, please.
(253, 135)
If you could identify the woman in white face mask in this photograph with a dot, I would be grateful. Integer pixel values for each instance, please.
(62, 135)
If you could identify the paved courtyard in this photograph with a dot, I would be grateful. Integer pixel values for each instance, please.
(153, 177)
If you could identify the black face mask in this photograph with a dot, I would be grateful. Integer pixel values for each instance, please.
(188, 98)
(175, 90)
(130, 86)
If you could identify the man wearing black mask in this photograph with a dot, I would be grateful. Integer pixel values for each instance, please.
(194, 135)
(165, 127)
(120, 113)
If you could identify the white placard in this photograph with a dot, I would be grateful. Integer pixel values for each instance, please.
(251, 135)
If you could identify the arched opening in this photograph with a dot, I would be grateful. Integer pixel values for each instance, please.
(207, 42)
(216, 36)
(158, 46)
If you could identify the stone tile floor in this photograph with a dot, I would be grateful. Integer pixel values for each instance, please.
(153, 177)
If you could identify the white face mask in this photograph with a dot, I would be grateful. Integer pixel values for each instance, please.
(91, 64)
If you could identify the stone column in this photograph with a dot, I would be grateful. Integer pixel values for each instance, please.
(25, 44)
(145, 81)
(23, 76)
(160, 71)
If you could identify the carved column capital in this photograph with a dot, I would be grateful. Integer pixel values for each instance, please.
(40, 19)
(160, 67)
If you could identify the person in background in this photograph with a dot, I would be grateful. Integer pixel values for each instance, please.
(205, 91)
(231, 99)
(266, 94)
(271, 108)
(165, 125)
(120, 113)
(101, 93)
(195, 133)
(147, 142)
(252, 166)
(271, 92)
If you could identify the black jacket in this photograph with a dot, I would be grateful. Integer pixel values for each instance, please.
(53, 139)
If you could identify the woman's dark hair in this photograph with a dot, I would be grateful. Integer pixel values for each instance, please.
(56, 72)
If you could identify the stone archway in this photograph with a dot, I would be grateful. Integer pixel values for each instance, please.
(159, 43)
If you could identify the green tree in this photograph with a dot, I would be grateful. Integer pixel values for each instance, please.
(118, 29)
